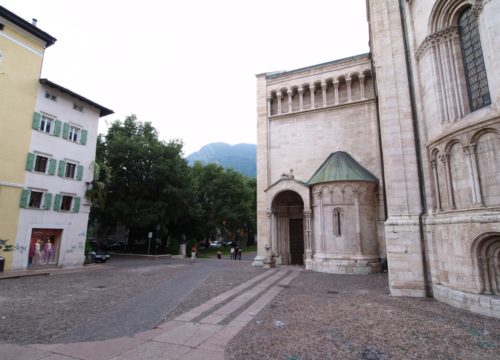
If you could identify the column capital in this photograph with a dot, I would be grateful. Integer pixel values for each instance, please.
(361, 77)
(279, 94)
(300, 90)
(289, 92)
(348, 79)
(307, 211)
(433, 163)
(444, 157)
(323, 84)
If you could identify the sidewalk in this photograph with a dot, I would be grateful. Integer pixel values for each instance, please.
(200, 333)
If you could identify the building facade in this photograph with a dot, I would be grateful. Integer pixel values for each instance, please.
(424, 123)
(22, 47)
(59, 169)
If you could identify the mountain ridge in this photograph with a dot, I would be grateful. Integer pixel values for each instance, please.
(240, 157)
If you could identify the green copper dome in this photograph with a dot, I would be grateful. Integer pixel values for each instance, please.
(340, 166)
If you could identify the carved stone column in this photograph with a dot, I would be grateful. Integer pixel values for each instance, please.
(362, 86)
(445, 158)
(470, 151)
(436, 185)
(289, 92)
(301, 98)
(355, 194)
(318, 195)
(279, 95)
(307, 215)
(269, 259)
(323, 87)
(336, 92)
(484, 263)
(268, 106)
(348, 83)
(311, 90)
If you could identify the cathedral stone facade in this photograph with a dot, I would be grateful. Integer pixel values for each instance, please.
(392, 157)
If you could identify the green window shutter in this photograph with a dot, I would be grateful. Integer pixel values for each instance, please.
(25, 197)
(47, 201)
(57, 128)
(65, 131)
(61, 168)
(79, 172)
(30, 162)
(83, 137)
(52, 166)
(57, 202)
(36, 121)
(76, 204)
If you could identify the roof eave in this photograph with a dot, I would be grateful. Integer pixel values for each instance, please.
(103, 111)
(23, 24)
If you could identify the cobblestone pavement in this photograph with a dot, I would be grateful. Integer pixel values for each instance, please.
(241, 312)
(322, 316)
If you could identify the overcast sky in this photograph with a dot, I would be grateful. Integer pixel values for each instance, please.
(189, 66)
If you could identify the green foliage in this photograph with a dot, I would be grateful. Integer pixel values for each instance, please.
(142, 182)
(173, 247)
(225, 199)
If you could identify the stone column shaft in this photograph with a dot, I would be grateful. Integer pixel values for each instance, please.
(362, 86)
(336, 92)
(349, 96)
(311, 90)
(279, 96)
(301, 98)
(323, 88)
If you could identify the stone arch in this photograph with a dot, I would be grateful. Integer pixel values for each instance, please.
(460, 175)
(445, 14)
(288, 230)
(486, 260)
(488, 163)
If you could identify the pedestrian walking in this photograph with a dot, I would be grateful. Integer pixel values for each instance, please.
(239, 254)
(219, 254)
(193, 253)
(232, 252)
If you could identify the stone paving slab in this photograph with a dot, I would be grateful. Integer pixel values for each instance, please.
(153, 350)
(15, 352)
(94, 350)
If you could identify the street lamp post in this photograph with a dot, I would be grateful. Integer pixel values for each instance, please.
(157, 237)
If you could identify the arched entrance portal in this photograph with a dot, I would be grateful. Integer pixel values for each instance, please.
(487, 254)
(288, 211)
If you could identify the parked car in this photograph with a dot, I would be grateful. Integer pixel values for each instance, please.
(215, 244)
(98, 256)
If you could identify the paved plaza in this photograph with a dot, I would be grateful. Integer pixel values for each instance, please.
(222, 309)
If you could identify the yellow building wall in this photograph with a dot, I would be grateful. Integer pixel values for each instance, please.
(20, 67)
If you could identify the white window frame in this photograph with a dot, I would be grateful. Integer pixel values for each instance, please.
(75, 169)
(47, 120)
(74, 133)
(46, 164)
(70, 203)
(42, 192)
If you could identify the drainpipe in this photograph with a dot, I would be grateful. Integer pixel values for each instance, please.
(420, 172)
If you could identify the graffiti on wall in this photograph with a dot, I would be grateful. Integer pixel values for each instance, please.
(4, 245)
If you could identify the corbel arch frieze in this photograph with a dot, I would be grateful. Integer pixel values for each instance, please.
(476, 135)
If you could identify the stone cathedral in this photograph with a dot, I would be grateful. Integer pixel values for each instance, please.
(391, 158)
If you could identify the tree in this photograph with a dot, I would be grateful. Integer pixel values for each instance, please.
(149, 182)
(224, 198)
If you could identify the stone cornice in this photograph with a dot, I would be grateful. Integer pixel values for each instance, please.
(319, 109)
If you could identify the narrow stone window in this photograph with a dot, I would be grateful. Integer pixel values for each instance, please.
(472, 54)
(338, 219)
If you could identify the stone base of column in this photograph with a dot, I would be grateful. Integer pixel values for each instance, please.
(405, 257)
(259, 260)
